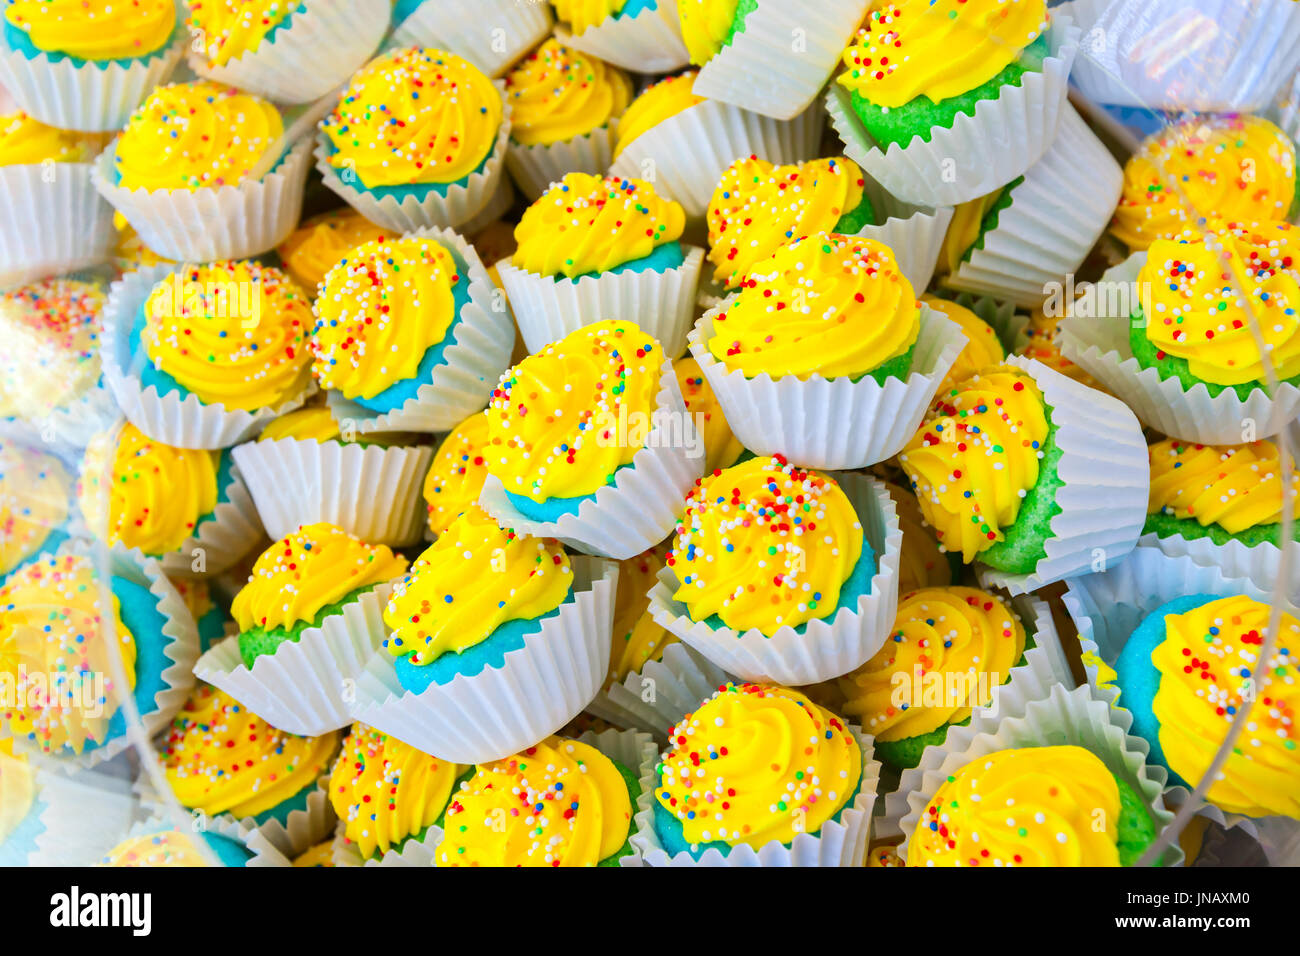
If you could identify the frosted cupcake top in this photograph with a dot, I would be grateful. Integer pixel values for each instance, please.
(231, 28)
(50, 331)
(658, 102)
(94, 29)
(26, 141)
(557, 93)
(1236, 487)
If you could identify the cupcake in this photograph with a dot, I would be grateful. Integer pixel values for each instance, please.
(591, 248)
(455, 479)
(444, 168)
(921, 563)
(982, 349)
(825, 355)
(35, 492)
(788, 783)
(940, 135)
(492, 34)
(288, 52)
(1043, 343)
(177, 847)
(86, 65)
(564, 107)
(642, 35)
(321, 241)
(53, 221)
(637, 638)
(129, 251)
(722, 449)
(884, 855)
(197, 195)
(322, 854)
(615, 491)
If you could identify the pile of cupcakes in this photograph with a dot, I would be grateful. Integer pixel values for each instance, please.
(647, 433)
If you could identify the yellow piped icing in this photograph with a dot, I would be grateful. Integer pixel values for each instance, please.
(1205, 663)
(318, 244)
(1039, 806)
(582, 15)
(755, 764)
(825, 304)
(557, 94)
(95, 29)
(885, 856)
(379, 310)
(558, 803)
(565, 418)
(982, 347)
(385, 791)
(198, 135)
(949, 650)
(1043, 345)
(637, 638)
(721, 447)
(413, 117)
(233, 333)
(456, 476)
(17, 793)
(1236, 167)
(231, 28)
(657, 102)
(474, 578)
(322, 854)
(976, 456)
(937, 48)
(169, 848)
(765, 544)
(50, 330)
(1237, 487)
(34, 492)
(26, 141)
(587, 223)
(964, 231)
(316, 423)
(759, 207)
(220, 757)
(920, 563)
(52, 622)
(705, 25)
(129, 251)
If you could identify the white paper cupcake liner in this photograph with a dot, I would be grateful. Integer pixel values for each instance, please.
(637, 752)
(307, 686)
(662, 693)
(1105, 474)
(641, 507)
(301, 831)
(649, 42)
(501, 710)
(686, 154)
(662, 304)
(914, 233)
(498, 204)
(182, 422)
(1280, 839)
(1057, 213)
(1010, 326)
(1100, 345)
(973, 157)
(841, 842)
(1215, 55)
(831, 423)
(411, 852)
(323, 44)
(236, 221)
(240, 831)
(471, 367)
(81, 815)
(778, 63)
(371, 492)
(491, 34)
(52, 221)
(73, 425)
(1259, 564)
(828, 647)
(459, 205)
(85, 97)
(534, 168)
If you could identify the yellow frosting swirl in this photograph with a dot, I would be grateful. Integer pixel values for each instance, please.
(937, 48)
(198, 135)
(50, 330)
(885, 856)
(765, 544)
(17, 793)
(34, 492)
(54, 653)
(1205, 664)
(1237, 167)
(318, 244)
(385, 791)
(26, 141)
(557, 94)
(586, 223)
(759, 207)
(976, 456)
(1236, 487)
(920, 564)
(170, 848)
(414, 116)
(129, 251)
(322, 854)
(826, 304)
(964, 231)
(231, 28)
(474, 578)
(379, 310)
(559, 803)
(637, 638)
(456, 476)
(755, 764)
(982, 347)
(721, 447)
(966, 638)
(1043, 333)
(1038, 806)
(233, 333)
(1206, 290)
(582, 15)
(705, 25)
(95, 29)
(220, 757)
(657, 102)
(563, 420)
(315, 423)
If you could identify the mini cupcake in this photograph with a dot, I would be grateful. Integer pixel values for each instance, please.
(564, 108)
(604, 466)
(321, 241)
(408, 334)
(444, 168)
(796, 783)
(178, 848)
(484, 618)
(195, 195)
(86, 64)
(129, 251)
(940, 135)
(1043, 343)
(45, 179)
(921, 563)
(201, 356)
(35, 492)
(642, 35)
(288, 52)
(593, 247)
(492, 34)
(637, 637)
(982, 349)
(825, 355)
(722, 449)
(455, 479)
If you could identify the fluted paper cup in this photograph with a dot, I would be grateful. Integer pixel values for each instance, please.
(491, 34)
(73, 425)
(300, 831)
(52, 221)
(82, 816)
(1259, 563)
(648, 42)
(413, 851)
(661, 693)
(914, 233)
(535, 167)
